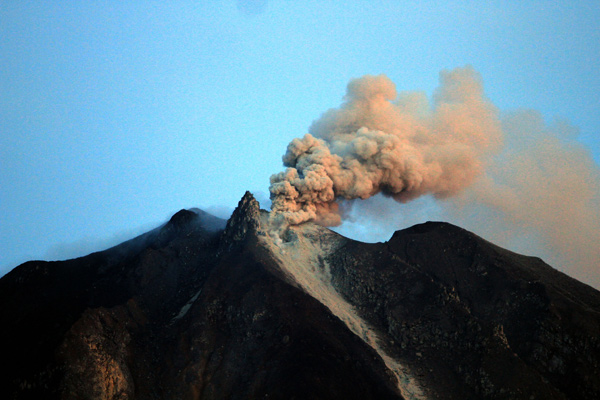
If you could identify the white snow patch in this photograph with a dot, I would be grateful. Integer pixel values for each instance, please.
(302, 255)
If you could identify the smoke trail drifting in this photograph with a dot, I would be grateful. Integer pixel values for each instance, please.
(404, 149)
(544, 184)
(505, 178)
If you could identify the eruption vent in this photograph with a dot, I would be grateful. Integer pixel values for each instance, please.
(377, 142)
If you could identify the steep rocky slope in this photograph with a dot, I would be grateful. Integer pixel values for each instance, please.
(475, 320)
(203, 308)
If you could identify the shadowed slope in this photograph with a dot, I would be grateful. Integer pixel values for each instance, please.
(201, 308)
(475, 320)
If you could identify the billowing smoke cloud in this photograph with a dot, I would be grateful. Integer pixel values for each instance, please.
(403, 149)
(512, 179)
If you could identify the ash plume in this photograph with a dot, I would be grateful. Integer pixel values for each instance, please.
(544, 185)
(373, 144)
(512, 178)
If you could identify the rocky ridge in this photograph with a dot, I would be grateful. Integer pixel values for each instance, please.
(206, 308)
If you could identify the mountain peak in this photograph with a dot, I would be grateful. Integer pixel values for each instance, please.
(203, 308)
(182, 217)
(244, 220)
(248, 200)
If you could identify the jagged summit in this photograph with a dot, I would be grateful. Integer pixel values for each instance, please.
(246, 217)
(244, 220)
(202, 308)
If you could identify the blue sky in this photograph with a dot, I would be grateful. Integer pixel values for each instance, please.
(115, 116)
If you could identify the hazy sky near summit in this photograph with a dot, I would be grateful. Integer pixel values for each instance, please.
(115, 116)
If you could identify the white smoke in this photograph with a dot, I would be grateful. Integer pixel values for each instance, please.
(506, 178)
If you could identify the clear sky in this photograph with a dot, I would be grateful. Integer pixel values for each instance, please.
(115, 115)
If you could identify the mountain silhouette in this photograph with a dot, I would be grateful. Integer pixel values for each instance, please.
(203, 308)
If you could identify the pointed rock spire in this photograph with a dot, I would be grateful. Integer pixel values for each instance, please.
(244, 220)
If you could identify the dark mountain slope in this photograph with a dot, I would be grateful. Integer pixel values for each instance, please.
(182, 312)
(201, 309)
(476, 320)
(40, 301)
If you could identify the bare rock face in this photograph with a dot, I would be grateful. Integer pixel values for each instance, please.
(94, 356)
(244, 221)
(202, 308)
(475, 320)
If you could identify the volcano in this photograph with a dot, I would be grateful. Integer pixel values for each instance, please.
(203, 308)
